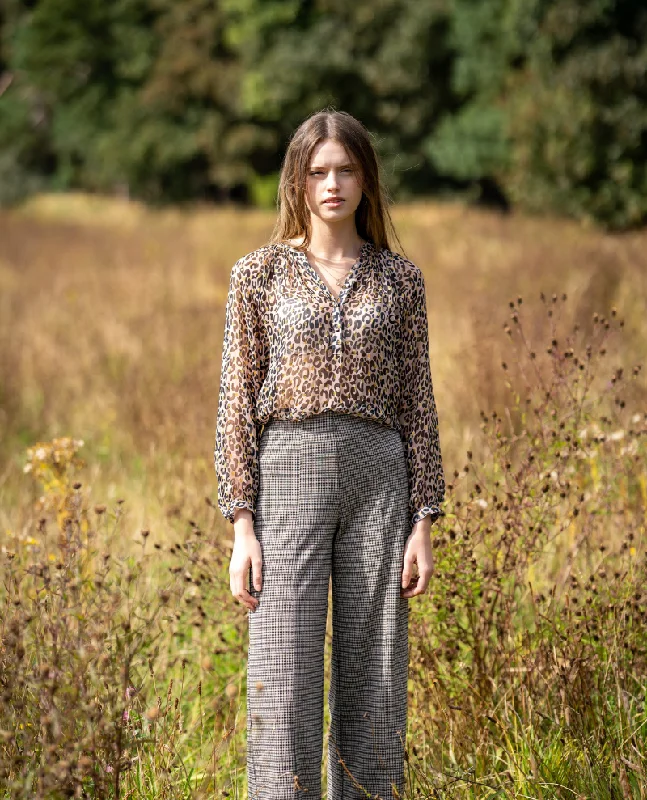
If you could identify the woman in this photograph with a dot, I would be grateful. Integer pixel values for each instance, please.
(329, 465)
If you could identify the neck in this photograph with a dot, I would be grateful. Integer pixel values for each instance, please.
(335, 242)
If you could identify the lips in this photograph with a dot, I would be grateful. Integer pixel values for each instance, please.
(333, 200)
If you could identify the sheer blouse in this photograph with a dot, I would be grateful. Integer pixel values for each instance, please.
(291, 349)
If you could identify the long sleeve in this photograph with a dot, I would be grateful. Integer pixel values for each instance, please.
(243, 361)
(417, 412)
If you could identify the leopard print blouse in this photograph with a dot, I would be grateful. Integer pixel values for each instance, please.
(291, 350)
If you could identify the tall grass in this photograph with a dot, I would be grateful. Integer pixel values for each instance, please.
(530, 665)
(122, 652)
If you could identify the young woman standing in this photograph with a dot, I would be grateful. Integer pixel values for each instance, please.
(328, 462)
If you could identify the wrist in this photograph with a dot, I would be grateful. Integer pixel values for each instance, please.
(423, 526)
(243, 522)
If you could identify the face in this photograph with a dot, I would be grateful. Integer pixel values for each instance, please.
(332, 174)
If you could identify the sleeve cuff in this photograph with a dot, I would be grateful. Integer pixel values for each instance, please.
(434, 511)
(228, 511)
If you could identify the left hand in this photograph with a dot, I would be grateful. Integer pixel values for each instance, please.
(418, 551)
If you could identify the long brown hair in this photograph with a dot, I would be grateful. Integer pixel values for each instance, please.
(372, 218)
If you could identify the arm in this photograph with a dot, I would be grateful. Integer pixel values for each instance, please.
(417, 409)
(236, 446)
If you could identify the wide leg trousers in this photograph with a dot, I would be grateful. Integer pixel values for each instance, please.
(332, 502)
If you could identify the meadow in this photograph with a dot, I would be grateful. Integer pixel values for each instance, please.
(122, 651)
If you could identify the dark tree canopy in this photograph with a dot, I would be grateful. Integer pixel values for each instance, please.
(541, 104)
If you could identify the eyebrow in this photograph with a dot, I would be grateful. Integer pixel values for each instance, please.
(323, 166)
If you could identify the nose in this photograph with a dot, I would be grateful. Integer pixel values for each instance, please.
(331, 180)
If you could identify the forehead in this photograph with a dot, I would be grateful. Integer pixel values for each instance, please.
(331, 153)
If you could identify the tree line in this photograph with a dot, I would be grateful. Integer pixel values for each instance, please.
(536, 104)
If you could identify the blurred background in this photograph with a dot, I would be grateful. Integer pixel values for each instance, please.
(140, 145)
(538, 105)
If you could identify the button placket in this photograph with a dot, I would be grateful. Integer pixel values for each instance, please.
(337, 321)
(337, 303)
(338, 333)
(336, 328)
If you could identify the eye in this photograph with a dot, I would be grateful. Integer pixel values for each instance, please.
(316, 172)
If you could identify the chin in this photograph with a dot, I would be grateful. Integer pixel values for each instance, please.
(336, 217)
(338, 213)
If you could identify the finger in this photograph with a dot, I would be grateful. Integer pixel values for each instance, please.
(406, 572)
(419, 588)
(246, 597)
(257, 573)
(248, 585)
(240, 592)
(238, 586)
(410, 590)
(247, 600)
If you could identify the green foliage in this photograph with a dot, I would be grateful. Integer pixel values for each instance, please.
(470, 144)
(16, 182)
(25, 150)
(171, 101)
(470, 141)
(578, 114)
(387, 62)
(264, 190)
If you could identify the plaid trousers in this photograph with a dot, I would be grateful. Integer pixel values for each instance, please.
(332, 502)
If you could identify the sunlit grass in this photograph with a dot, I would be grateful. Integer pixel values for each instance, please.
(122, 652)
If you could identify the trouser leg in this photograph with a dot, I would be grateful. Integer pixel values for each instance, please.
(369, 663)
(296, 516)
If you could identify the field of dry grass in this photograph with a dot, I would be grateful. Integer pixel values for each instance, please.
(111, 323)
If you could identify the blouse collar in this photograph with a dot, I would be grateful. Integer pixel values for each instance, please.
(364, 258)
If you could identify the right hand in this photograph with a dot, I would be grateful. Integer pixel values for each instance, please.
(247, 550)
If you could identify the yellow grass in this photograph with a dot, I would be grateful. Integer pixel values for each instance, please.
(112, 321)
